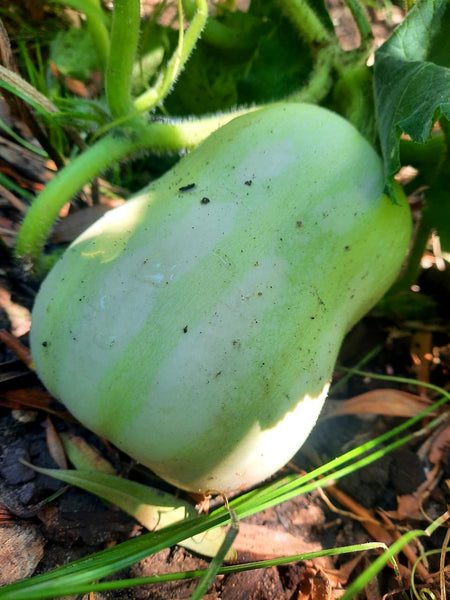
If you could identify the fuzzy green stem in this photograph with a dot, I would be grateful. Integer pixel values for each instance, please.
(363, 25)
(353, 96)
(306, 22)
(218, 34)
(225, 38)
(45, 209)
(96, 25)
(186, 43)
(157, 136)
(320, 81)
(122, 53)
(152, 96)
(100, 37)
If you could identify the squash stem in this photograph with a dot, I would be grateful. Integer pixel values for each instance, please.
(186, 43)
(353, 94)
(306, 22)
(365, 30)
(122, 52)
(320, 81)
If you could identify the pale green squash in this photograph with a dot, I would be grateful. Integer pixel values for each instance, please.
(197, 326)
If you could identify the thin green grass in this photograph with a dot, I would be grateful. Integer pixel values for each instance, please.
(12, 186)
(79, 576)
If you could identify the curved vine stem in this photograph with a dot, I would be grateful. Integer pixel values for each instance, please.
(364, 28)
(125, 31)
(186, 43)
(306, 22)
(320, 81)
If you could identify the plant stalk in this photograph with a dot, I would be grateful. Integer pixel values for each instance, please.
(306, 22)
(320, 81)
(186, 43)
(122, 53)
(363, 25)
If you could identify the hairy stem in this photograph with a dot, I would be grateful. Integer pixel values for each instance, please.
(320, 81)
(124, 41)
(306, 22)
(364, 28)
(353, 95)
(218, 34)
(186, 43)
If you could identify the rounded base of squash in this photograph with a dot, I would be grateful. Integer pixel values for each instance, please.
(255, 458)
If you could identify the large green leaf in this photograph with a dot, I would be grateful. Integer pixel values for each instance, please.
(412, 78)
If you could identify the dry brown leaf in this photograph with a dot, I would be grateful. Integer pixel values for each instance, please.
(367, 518)
(6, 517)
(54, 445)
(77, 87)
(421, 354)
(381, 532)
(408, 551)
(387, 402)
(8, 231)
(315, 585)
(440, 446)
(21, 549)
(345, 570)
(23, 182)
(372, 588)
(265, 542)
(35, 399)
(90, 88)
(84, 456)
(19, 349)
(19, 318)
(13, 200)
(409, 506)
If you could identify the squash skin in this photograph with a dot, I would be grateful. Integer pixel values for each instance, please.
(197, 327)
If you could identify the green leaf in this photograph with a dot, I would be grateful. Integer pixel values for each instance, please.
(437, 209)
(152, 507)
(411, 90)
(268, 62)
(73, 53)
(83, 456)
